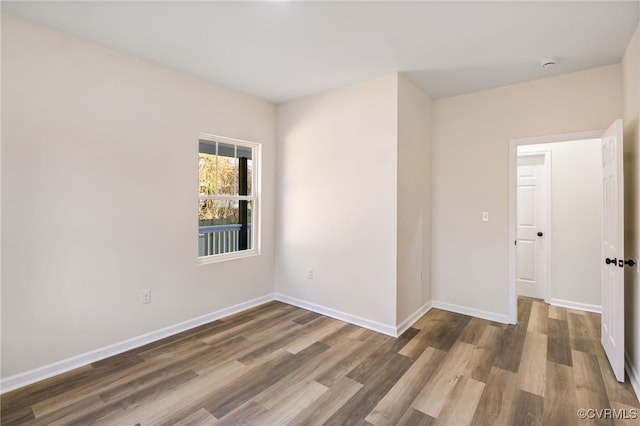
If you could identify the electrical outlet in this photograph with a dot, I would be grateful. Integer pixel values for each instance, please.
(309, 273)
(145, 296)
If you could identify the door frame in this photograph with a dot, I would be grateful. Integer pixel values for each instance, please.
(546, 154)
(513, 179)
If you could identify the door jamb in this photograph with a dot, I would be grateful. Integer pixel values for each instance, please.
(513, 165)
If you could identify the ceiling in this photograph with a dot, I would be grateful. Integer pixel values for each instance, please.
(279, 50)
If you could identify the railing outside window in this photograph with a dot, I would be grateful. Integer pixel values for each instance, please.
(218, 239)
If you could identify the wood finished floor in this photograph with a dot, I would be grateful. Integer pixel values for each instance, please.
(278, 364)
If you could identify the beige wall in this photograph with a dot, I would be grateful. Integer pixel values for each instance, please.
(354, 182)
(631, 117)
(576, 220)
(337, 195)
(99, 196)
(471, 136)
(576, 198)
(414, 200)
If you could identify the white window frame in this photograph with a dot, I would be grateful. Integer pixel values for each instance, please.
(256, 149)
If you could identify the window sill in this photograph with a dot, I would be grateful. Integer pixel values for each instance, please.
(205, 260)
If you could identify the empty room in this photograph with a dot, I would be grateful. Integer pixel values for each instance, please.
(320, 212)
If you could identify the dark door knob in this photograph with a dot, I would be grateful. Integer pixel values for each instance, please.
(630, 262)
(610, 261)
(540, 234)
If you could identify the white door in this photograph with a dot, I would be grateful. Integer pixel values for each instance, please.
(613, 249)
(531, 212)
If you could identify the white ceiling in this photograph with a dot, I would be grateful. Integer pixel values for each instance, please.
(280, 51)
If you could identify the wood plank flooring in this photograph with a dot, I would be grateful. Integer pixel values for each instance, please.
(281, 365)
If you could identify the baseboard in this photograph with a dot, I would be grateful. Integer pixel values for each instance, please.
(576, 305)
(634, 375)
(342, 316)
(478, 313)
(404, 325)
(41, 373)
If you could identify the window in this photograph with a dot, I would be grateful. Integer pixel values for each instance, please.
(228, 182)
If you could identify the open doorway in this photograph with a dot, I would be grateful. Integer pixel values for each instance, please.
(555, 220)
(559, 221)
(610, 232)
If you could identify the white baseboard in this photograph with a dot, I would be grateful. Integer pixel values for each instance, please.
(41, 373)
(404, 325)
(342, 316)
(576, 305)
(478, 313)
(633, 373)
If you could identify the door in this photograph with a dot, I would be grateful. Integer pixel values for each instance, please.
(531, 216)
(612, 318)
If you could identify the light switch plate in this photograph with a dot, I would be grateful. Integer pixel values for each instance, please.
(485, 216)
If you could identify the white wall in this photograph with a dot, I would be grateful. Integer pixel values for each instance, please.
(471, 136)
(631, 117)
(99, 196)
(354, 204)
(576, 197)
(414, 200)
(576, 220)
(337, 198)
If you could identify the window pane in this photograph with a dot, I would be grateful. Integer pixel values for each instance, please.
(245, 174)
(249, 176)
(227, 169)
(206, 174)
(221, 226)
